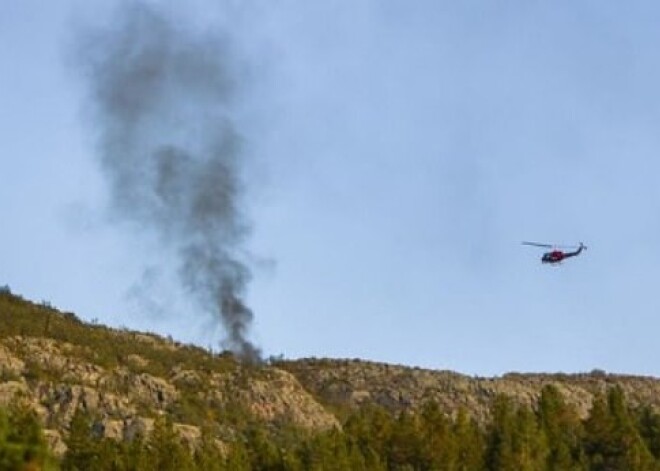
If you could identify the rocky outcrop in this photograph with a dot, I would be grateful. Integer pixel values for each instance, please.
(10, 365)
(354, 383)
(58, 378)
(278, 397)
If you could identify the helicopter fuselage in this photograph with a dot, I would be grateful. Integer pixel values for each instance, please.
(556, 256)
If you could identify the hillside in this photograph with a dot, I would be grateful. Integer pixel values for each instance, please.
(125, 381)
(354, 383)
(60, 364)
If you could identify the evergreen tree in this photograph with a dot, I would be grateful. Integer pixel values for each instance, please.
(598, 434)
(238, 457)
(115, 456)
(370, 429)
(439, 447)
(563, 430)
(326, 451)
(11, 452)
(405, 447)
(264, 453)
(356, 460)
(530, 443)
(635, 456)
(135, 454)
(208, 455)
(611, 440)
(82, 449)
(648, 424)
(515, 441)
(470, 443)
(165, 450)
(500, 454)
(23, 445)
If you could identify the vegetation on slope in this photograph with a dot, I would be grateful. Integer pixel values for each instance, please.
(208, 412)
(549, 436)
(101, 345)
(22, 442)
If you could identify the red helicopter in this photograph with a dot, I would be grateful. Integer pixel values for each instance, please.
(556, 256)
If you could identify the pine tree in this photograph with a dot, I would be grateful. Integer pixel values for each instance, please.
(370, 428)
(326, 451)
(264, 453)
(208, 455)
(82, 449)
(25, 446)
(439, 447)
(238, 458)
(470, 443)
(648, 424)
(611, 440)
(516, 443)
(563, 430)
(165, 450)
(404, 448)
(530, 443)
(500, 455)
(635, 455)
(11, 453)
(135, 454)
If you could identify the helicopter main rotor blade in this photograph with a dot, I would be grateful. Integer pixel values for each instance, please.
(554, 246)
(536, 244)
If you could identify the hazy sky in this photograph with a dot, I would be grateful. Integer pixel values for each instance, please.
(396, 153)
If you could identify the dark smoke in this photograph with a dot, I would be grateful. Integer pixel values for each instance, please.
(163, 100)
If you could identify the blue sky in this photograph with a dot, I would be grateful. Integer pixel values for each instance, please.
(396, 155)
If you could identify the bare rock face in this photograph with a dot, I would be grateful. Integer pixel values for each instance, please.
(138, 426)
(10, 365)
(62, 400)
(55, 442)
(123, 394)
(190, 435)
(11, 389)
(137, 361)
(188, 378)
(113, 429)
(153, 390)
(279, 397)
(354, 383)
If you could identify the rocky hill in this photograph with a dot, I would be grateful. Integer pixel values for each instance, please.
(56, 364)
(342, 384)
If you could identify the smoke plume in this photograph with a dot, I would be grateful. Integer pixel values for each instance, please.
(163, 100)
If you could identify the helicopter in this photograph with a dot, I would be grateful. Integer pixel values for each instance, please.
(556, 255)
